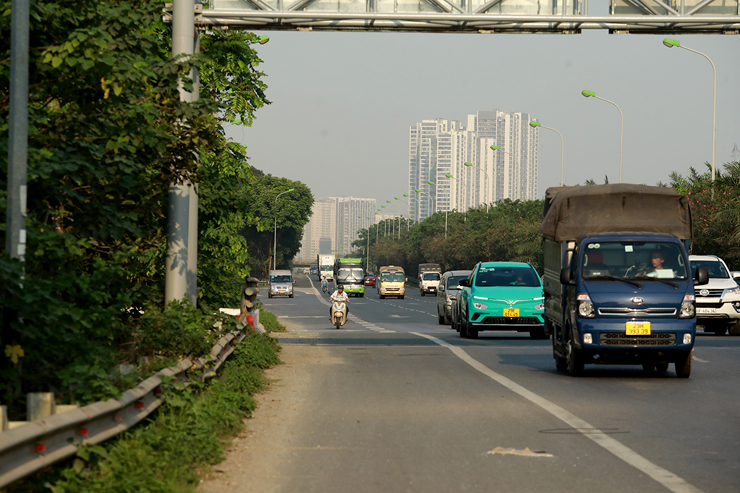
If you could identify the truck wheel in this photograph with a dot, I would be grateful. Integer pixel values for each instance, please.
(719, 329)
(683, 365)
(661, 367)
(382, 297)
(422, 292)
(575, 360)
(648, 367)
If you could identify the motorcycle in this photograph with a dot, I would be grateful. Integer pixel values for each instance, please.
(324, 287)
(338, 313)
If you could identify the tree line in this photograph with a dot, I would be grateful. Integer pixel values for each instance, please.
(509, 230)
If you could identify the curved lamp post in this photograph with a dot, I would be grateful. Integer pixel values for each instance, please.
(488, 179)
(591, 94)
(449, 175)
(423, 193)
(274, 245)
(407, 222)
(670, 43)
(562, 146)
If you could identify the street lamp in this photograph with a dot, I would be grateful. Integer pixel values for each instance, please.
(399, 218)
(449, 175)
(407, 221)
(591, 94)
(435, 195)
(670, 43)
(488, 179)
(274, 245)
(562, 146)
(423, 193)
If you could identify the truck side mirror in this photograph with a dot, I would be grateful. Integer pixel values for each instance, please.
(701, 276)
(565, 277)
(463, 282)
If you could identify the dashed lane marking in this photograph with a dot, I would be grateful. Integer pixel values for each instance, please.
(621, 451)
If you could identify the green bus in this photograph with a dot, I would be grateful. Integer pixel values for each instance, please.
(349, 272)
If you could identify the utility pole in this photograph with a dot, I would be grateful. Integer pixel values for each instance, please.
(15, 215)
(181, 266)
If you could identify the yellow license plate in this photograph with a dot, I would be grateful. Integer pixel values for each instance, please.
(511, 312)
(638, 328)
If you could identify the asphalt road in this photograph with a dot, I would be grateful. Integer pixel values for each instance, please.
(401, 403)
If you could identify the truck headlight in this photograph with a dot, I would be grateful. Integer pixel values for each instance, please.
(539, 306)
(688, 307)
(585, 306)
(480, 306)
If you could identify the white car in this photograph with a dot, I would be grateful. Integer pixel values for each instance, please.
(718, 302)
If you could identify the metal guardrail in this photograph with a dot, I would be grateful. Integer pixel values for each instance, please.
(40, 443)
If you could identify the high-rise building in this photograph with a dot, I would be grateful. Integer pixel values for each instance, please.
(438, 148)
(334, 224)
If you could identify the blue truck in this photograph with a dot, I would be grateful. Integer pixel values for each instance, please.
(618, 287)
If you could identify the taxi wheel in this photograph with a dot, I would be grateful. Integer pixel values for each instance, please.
(463, 327)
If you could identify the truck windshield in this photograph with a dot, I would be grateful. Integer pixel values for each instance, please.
(326, 268)
(631, 259)
(431, 276)
(350, 274)
(715, 268)
(392, 277)
(280, 278)
(507, 276)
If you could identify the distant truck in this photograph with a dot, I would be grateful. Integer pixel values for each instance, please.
(325, 265)
(349, 272)
(429, 276)
(617, 282)
(391, 281)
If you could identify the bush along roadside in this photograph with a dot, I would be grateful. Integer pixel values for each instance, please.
(187, 434)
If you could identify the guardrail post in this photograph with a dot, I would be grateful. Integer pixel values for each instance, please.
(3, 418)
(39, 405)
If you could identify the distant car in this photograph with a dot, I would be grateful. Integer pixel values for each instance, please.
(369, 279)
(448, 288)
(314, 271)
(718, 302)
(500, 296)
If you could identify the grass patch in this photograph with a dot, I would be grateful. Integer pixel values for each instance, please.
(187, 434)
(270, 321)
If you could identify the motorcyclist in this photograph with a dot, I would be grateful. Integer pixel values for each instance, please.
(339, 295)
(324, 284)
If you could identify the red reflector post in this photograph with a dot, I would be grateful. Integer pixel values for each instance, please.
(40, 447)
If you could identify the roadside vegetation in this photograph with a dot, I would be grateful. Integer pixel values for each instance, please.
(177, 444)
(107, 134)
(509, 230)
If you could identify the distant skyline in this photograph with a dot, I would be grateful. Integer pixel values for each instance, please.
(342, 103)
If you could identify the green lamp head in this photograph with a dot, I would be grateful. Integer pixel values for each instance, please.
(448, 175)
(496, 148)
(388, 201)
(468, 164)
(291, 189)
(405, 195)
(263, 39)
(670, 43)
(535, 124)
(431, 183)
(588, 94)
(417, 191)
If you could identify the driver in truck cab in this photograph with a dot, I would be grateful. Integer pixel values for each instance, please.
(339, 295)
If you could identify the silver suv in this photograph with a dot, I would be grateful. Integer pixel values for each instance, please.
(718, 302)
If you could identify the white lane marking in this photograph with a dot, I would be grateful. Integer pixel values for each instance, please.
(662, 476)
(351, 316)
(700, 360)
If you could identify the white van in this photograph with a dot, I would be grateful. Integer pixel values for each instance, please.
(280, 283)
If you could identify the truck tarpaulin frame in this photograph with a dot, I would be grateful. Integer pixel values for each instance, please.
(571, 212)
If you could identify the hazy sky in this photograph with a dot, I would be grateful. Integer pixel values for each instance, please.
(342, 103)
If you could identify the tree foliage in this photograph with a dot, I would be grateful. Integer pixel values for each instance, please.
(107, 134)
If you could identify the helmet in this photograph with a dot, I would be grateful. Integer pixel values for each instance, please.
(340, 288)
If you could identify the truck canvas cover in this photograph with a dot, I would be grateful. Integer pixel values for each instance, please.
(571, 212)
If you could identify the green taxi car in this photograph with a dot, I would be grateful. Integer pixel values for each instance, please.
(501, 296)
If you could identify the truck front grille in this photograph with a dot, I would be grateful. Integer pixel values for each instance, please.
(630, 312)
(621, 339)
(511, 321)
